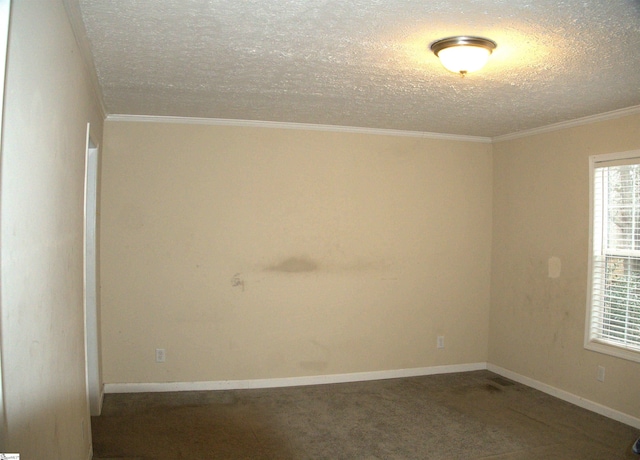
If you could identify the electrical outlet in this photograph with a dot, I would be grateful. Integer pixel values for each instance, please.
(160, 355)
(440, 341)
(600, 375)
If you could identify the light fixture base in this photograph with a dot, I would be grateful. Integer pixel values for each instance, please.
(462, 40)
(462, 54)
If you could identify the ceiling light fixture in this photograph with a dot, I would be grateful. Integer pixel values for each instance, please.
(463, 54)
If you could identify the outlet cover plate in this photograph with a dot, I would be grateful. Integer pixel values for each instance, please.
(160, 355)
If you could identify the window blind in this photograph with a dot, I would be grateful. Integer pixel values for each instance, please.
(615, 260)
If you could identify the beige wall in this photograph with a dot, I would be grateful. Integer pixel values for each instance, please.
(254, 253)
(48, 103)
(541, 210)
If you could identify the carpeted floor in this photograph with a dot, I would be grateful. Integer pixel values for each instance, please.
(471, 415)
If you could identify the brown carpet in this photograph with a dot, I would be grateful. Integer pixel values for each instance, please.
(471, 415)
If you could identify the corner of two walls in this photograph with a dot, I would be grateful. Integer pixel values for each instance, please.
(540, 257)
(259, 253)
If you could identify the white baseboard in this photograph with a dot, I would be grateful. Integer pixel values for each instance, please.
(566, 396)
(289, 381)
(366, 376)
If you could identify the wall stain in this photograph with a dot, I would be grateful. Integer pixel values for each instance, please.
(238, 281)
(294, 265)
(305, 264)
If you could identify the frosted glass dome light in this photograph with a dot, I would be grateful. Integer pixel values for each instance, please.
(463, 54)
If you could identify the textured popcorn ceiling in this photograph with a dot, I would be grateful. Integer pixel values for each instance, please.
(365, 63)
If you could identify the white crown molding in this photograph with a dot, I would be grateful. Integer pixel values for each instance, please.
(299, 126)
(566, 396)
(570, 124)
(289, 381)
(376, 131)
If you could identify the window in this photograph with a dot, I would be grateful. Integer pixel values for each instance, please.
(613, 316)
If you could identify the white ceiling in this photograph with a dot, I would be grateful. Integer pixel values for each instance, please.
(364, 63)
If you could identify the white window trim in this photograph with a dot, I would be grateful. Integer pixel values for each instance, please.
(590, 343)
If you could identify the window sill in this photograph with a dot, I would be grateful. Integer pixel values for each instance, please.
(613, 350)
